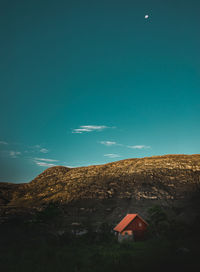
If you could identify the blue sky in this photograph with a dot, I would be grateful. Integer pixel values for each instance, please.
(90, 82)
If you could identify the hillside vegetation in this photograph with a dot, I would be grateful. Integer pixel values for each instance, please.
(167, 177)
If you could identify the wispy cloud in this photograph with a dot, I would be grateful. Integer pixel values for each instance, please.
(108, 143)
(37, 148)
(3, 143)
(112, 155)
(44, 150)
(113, 143)
(14, 154)
(138, 146)
(45, 162)
(17, 150)
(91, 128)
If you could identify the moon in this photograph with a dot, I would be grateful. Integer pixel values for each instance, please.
(146, 16)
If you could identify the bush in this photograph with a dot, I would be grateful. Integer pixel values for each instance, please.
(158, 221)
(52, 211)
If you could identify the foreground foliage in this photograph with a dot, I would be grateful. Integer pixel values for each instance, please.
(34, 251)
(36, 245)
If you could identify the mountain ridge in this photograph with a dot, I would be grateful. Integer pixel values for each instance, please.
(138, 178)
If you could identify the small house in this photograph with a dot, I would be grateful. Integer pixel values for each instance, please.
(132, 227)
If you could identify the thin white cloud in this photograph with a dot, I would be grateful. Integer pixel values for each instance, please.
(138, 146)
(3, 143)
(44, 150)
(108, 143)
(37, 148)
(80, 130)
(112, 155)
(14, 154)
(44, 164)
(113, 143)
(45, 160)
(91, 128)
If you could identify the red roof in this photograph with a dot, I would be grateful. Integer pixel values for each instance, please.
(126, 220)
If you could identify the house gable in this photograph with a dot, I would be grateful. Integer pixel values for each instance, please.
(138, 224)
(131, 222)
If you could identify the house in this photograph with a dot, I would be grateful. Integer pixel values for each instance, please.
(132, 227)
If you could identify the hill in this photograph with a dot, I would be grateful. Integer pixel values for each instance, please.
(115, 188)
(59, 217)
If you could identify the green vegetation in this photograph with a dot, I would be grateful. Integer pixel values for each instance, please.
(80, 255)
(30, 247)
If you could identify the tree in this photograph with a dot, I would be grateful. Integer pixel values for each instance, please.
(158, 220)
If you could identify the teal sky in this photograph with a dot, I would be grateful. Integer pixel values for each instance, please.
(90, 82)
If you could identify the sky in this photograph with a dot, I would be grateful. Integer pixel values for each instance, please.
(95, 81)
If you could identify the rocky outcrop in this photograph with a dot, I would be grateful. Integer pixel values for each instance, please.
(166, 178)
